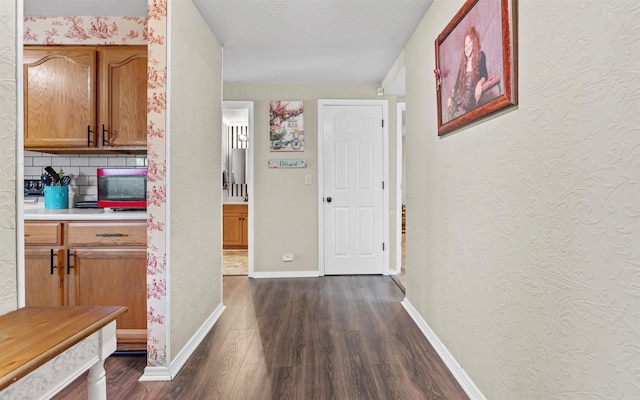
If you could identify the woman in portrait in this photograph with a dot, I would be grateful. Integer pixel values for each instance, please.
(472, 73)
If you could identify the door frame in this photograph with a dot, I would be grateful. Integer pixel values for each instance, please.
(250, 172)
(385, 174)
(399, 187)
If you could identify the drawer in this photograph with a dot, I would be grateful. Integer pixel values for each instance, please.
(107, 234)
(43, 233)
(235, 208)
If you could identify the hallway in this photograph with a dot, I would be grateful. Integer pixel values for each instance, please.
(339, 337)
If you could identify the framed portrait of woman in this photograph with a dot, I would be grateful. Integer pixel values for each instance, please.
(476, 63)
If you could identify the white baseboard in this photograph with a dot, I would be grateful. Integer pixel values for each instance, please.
(168, 373)
(458, 373)
(286, 274)
(155, 374)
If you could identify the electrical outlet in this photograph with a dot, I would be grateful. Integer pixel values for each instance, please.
(287, 257)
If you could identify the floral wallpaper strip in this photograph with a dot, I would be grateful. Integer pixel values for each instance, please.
(156, 186)
(85, 30)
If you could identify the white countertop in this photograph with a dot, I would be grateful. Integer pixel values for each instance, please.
(82, 214)
(34, 211)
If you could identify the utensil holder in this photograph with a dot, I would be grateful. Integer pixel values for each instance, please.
(56, 197)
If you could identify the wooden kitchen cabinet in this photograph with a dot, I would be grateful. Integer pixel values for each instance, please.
(235, 226)
(44, 264)
(90, 263)
(59, 96)
(105, 277)
(122, 111)
(85, 99)
(43, 277)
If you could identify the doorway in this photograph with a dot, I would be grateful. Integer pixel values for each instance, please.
(237, 187)
(352, 147)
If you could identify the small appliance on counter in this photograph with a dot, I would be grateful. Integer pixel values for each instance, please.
(33, 193)
(33, 188)
(122, 188)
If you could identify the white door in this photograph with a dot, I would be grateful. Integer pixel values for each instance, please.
(353, 205)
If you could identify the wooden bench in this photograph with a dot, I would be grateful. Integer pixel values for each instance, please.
(43, 349)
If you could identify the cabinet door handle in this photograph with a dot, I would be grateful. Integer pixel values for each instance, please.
(51, 262)
(111, 234)
(104, 141)
(89, 135)
(69, 266)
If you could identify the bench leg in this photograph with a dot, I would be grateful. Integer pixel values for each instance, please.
(97, 382)
(97, 379)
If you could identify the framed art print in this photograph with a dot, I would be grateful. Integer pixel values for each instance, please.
(476, 66)
(286, 130)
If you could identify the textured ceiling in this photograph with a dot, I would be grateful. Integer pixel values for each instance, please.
(286, 40)
(85, 8)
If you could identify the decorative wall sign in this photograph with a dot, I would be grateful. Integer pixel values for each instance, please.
(476, 64)
(287, 163)
(286, 132)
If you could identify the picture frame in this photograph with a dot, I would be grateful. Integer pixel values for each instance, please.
(286, 125)
(476, 63)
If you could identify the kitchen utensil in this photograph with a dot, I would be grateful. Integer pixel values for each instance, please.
(46, 179)
(66, 180)
(53, 173)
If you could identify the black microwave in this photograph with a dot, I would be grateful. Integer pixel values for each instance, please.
(122, 188)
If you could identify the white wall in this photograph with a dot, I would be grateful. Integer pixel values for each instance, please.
(8, 129)
(523, 243)
(195, 173)
(286, 215)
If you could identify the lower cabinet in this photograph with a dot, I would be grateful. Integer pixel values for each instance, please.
(92, 264)
(44, 264)
(103, 277)
(235, 226)
(44, 282)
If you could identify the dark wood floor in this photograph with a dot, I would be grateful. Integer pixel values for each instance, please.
(343, 337)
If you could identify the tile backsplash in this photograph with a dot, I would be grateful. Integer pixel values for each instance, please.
(81, 168)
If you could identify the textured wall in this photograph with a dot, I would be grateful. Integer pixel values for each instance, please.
(8, 127)
(523, 243)
(286, 210)
(195, 173)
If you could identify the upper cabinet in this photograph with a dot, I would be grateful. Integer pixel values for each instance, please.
(59, 97)
(85, 98)
(122, 111)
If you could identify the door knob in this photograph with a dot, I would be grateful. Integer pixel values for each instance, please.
(329, 199)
